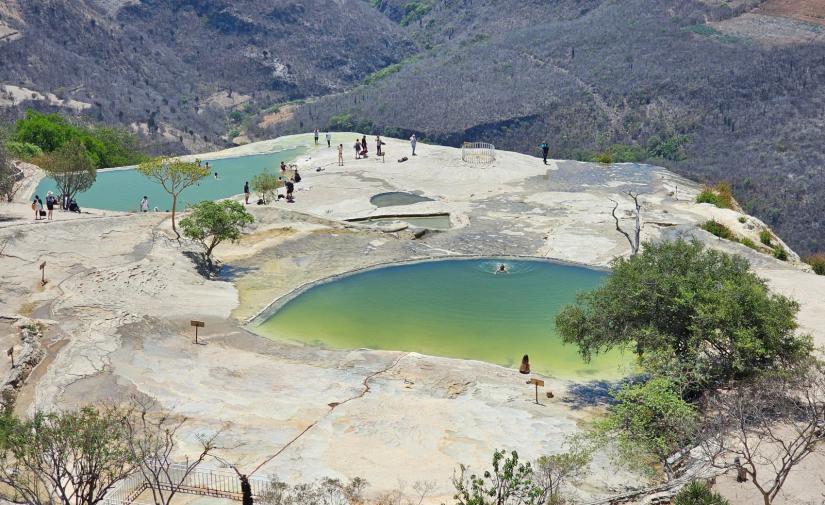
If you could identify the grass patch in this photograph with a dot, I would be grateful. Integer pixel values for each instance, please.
(780, 253)
(719, 195)
(742, 219)
(817, 262)
(749, 243)
(766, 238)
(716, 228)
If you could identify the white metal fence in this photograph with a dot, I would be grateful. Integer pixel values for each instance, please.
(200, 481)
(478, 152)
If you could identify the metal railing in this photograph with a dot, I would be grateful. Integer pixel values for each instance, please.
(200, 481)
(478, 152)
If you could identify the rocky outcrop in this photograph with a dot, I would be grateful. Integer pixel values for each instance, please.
(26, 355)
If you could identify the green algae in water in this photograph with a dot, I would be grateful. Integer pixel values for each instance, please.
(123, 189)
(455, 308)
(395, 198)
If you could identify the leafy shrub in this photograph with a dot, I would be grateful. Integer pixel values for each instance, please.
(23, 150)
(382, 73)
(341, 122)
(670, 147)
(649, 423)
(719, 195)
(415, 10)
(780, 253)
(698, 493)
(604, 157)
(766, 238)
(718, 229)
(817, 262)
(708, 196)
(627, 153)
(742, 219)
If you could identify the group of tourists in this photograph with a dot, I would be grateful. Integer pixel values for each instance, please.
(289, 176)
(46, 210)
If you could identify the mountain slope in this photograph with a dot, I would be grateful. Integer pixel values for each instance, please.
(724, 92)
(185, 63)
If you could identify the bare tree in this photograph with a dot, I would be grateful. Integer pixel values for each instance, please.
(635, 240)
(11, 177)
(70, 167)
(765, 428)
(151, 435)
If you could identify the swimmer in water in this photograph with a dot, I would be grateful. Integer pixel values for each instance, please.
(502, 269)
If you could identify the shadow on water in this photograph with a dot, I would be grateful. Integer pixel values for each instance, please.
(596, 393)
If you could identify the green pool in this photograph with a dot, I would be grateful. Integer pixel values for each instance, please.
(455, 308)
(122, 189)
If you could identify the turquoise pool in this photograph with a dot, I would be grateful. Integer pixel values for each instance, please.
(123, 189)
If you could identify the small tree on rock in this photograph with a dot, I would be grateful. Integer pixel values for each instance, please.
(174, 176)
(266, 185)
(71, 168)
(508, 483)
(212, 223)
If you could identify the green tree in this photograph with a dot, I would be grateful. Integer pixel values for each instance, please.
(106, 146)
(49, 132)
(211, 223)
(266, 185)
(698, 493)
(508, 483)
(67, 458)
(649, 424)
(70, 167)
(174, 176)
(703, 308)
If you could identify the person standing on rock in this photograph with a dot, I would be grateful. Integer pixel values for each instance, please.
(329, 139)
(37, 206)
(413, 142)
(50, 201)
(364, 150)
(144, 204)
(316, 136)
(340, 155)
(378, 145)
(545, 149)
(357, 148)
(246, 193)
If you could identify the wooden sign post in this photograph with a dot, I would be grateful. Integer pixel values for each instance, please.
(537, 383)
(43, 273)
(197, 324)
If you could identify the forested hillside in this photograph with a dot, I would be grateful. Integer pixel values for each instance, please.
(714, 91)
(185, 72)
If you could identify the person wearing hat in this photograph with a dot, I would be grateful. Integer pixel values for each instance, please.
(51, 200)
